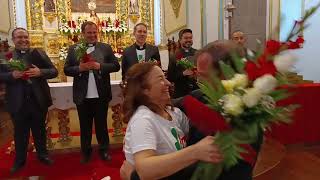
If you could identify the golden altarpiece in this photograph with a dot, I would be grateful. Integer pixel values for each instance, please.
(44, 21)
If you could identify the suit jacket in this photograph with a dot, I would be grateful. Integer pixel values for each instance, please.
(15, 88)
(130, 57)
(183, 85)
(103, 54)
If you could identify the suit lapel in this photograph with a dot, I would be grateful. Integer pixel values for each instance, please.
(148, 49)
(134, 54)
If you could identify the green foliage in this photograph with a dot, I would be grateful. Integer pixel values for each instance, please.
(227, 70)
(185, 64)
(81, 49)
(238, 63)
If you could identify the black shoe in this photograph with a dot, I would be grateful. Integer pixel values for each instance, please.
(105, 156)
(85, 158)
(45, 160)
(17, 166)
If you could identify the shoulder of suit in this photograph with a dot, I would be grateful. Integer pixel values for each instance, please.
(129, 48)
(152, 46)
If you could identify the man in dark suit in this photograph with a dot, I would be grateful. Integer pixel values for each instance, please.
(183, 79)
(92, 89)
(139, 51)
(28, 100)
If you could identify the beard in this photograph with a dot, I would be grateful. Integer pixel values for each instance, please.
(187, 45)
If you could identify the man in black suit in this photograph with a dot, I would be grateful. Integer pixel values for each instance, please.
(183, 79)
(139, 51)
(92, 89)
(27, 101)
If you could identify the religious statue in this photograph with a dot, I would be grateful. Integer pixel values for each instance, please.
(134, 7)
(49, 6)
(94, 18)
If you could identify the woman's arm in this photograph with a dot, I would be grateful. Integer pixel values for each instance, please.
(149, 165)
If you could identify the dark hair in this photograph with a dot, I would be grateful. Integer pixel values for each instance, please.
(140, 24)
(183, 31)
(221, 50)
(85, 24)
(135, 84)
(16, 29)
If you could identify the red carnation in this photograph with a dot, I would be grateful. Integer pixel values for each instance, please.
(272, 47)
(9, 55)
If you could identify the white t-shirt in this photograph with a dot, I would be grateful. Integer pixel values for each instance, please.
(149, 131)
(92, 91)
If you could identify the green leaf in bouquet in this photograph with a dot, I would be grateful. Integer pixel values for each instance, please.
(227, 70)
(238, 63)
(280, 94)
(185, 63)
(207, 171)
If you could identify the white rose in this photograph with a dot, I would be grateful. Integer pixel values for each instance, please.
(252, 97)
(284, 62)
(232, 104)
(241, 80)
(265, 84)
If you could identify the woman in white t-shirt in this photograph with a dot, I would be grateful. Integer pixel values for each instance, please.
(155, 141)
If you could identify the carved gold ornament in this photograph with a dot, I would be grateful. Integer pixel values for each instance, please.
(176, 4)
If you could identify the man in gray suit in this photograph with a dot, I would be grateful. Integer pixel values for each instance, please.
(140, 50)
(92, 89)
(27, 101)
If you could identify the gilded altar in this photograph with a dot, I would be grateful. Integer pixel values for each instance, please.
(46, 20)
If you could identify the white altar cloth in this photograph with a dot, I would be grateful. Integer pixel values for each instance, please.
(62, 95)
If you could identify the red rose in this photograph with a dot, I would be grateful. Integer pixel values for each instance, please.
(272, 47)
(25, 76)
(87, 58)
(9, 55)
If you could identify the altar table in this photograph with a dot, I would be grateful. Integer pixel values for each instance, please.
(63, 127)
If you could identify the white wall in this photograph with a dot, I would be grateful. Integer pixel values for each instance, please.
(309, 57)
(203, 19)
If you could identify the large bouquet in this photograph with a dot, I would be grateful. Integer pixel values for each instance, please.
(245, 103)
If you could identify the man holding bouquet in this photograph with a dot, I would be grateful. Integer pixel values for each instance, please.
(183, 78)
(25, 73)
(90, 63)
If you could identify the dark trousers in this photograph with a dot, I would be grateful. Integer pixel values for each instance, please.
(29, 117)
(93, 110)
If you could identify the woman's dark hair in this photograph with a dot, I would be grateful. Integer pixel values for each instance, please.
(221, 50)
(134, 86)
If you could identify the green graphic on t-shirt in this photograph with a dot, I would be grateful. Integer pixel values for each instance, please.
(140, 57)
(176, 136)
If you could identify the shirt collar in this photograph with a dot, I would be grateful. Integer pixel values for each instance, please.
(140, 47)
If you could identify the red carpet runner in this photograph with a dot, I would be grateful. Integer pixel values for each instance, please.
(66, 166)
